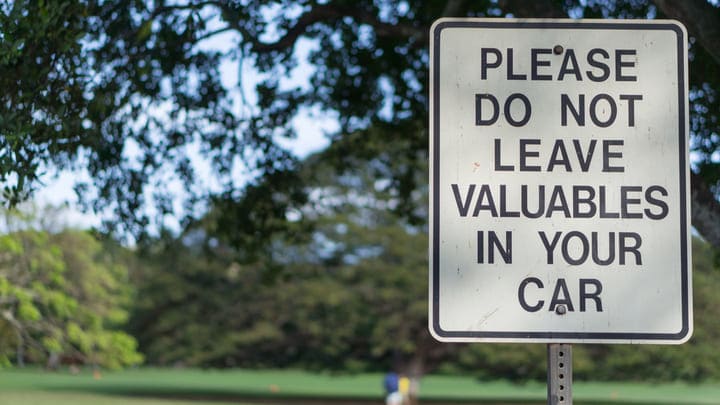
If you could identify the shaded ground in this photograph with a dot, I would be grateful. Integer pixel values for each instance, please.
(145, 386)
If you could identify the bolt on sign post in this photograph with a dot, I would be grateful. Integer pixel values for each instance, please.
(559, 182)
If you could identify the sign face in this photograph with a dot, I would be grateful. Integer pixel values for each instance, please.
(559, 181)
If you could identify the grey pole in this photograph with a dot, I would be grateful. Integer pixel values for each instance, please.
(559, 375)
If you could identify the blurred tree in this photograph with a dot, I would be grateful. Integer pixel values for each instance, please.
(130, 90)
(365, 269)
(62, 299)
(351, 295)
(185, 291)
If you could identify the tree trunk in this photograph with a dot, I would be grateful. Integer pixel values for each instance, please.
(705, 211)
(703, 22)
(20, 350)
(414, 369)
(53, 361)
(701, 18)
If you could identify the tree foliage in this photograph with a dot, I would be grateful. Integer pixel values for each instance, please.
(348, 296)
(132, 90)
(62, 298)
(44, 104)
(304, 263)
(353, 297)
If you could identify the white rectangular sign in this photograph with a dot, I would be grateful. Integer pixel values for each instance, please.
(559, 181)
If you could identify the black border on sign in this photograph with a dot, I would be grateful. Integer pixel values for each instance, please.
(607, 337)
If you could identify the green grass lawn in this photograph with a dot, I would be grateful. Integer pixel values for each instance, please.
(79, 398)
(200, 387)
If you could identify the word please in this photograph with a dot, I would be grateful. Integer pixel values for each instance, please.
(598, 65)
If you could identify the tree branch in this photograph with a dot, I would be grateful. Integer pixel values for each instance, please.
(327, 13)
(211, 34)
(316, 14)
(534, 9)
(454, 8)
(183, 7)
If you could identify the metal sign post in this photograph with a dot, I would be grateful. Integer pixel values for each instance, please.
(559, 375)
(559, 185)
